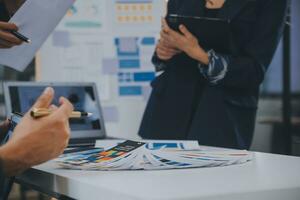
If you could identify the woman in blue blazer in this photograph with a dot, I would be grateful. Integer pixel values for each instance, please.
(205, 95)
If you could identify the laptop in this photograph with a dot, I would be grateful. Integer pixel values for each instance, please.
(20, 97)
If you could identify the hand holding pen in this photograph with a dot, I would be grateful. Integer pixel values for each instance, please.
(7, 38)
(42, 112)
(10, 37)
(45, 138)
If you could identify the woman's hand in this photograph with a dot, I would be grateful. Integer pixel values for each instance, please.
(184, 41)
(165, 52)
(8, 40)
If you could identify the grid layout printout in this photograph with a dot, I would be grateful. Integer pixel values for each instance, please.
(131, 155)
(134, 11)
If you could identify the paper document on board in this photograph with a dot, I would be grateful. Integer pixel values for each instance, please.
(36, 20)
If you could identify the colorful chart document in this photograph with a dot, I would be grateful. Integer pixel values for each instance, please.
(131, 155)
(153, 144)
(36, 20)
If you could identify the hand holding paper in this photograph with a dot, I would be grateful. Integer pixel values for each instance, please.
(7, 39)
(36, 20)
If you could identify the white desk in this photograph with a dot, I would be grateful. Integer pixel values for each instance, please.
(269, 176)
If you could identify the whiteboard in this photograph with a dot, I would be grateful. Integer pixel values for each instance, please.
(109, 42)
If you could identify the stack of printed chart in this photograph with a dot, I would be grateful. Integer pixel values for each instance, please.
(131, 155)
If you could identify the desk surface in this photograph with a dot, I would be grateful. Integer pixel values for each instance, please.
(267, 177)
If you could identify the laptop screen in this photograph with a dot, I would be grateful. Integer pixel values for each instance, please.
(20, 97)
(82, 98)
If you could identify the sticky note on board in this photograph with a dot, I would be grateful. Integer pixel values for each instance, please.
(148, 41)
(129, 63)
(143, 76)
(61, 39)
(130, 91)
(128, 44)
(110, 66)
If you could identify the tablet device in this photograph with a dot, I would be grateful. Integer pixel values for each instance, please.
(20, 97)
(13, 122)
(212, 33)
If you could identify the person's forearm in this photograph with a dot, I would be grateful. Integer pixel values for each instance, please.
(12, 164)
(200, 55)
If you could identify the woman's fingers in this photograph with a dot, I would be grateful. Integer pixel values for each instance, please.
(5, 44)
(165, 53)
(173, 39)
(164, 35)
(166, 29)
(8, 26)
(170, 47)
(167, 49)
(185, 31)
(10, 38)
(168, 40)
(162, 55)
(165, 26)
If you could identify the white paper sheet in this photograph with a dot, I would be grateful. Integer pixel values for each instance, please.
(36, 19)
(132, 155)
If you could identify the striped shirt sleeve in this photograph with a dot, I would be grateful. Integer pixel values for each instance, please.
(217, 68)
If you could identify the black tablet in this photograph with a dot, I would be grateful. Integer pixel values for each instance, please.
(212, 33)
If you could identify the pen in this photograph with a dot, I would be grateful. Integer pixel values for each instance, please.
(20, 36)
(42, 112)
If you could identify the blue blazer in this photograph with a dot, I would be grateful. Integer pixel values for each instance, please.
(183, 105)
